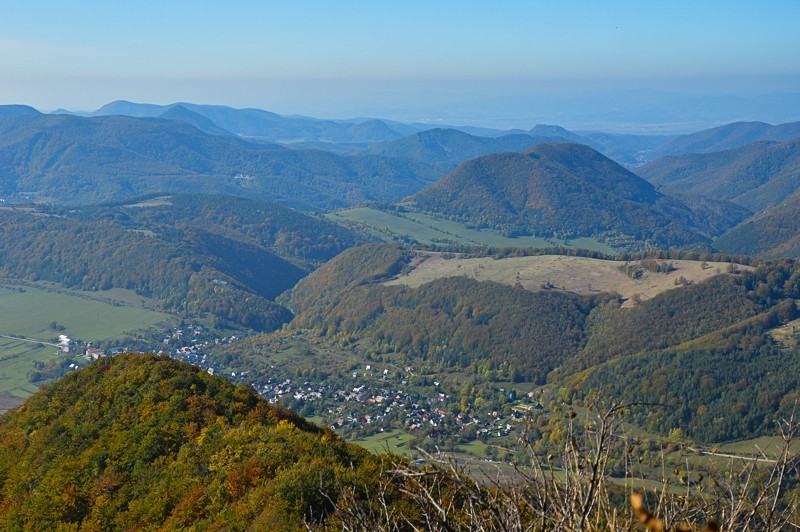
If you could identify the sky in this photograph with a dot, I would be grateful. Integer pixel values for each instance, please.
(349, 58)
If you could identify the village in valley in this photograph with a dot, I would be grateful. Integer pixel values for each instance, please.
(358, 401)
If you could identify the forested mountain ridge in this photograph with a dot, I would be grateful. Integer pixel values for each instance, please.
(450, 147)
(193, 254)
(774, 232)
(457, 321)
(70, 159)
(727, 137)
(559, 188)
(17, 110)
(755, 176)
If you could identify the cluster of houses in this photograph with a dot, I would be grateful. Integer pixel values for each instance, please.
(373, 399)
(190, 343)
(376, 407)
(67, 344)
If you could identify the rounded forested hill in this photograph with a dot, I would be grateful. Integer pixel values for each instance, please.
(560, 187)
(141, 441)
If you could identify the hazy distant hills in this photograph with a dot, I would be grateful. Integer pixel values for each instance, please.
(564, 188)
(129, 150)
(449, 147)
(264, 124)
(755, 175)
(179, 112)
(59, 158)
(17, 110)
(626, 149)
(385, 137)
(727, 137)
(625, 111)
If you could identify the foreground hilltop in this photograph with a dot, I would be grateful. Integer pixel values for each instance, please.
(142, 441)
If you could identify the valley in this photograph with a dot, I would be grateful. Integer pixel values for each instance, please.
(400, 266)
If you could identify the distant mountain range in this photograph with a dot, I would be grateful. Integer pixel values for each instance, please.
(263, 124)
(126, 150)
(449, 147)
(727, 137)
(70, 159)
(567, 189)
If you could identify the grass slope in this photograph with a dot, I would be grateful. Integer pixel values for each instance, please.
(429, 230)
(581, 275)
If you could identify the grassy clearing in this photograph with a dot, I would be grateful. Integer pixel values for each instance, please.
(428, 230)
(394, 441)
(16, 360)
(787, 334)
(154, 202)
(29, 310)
(767, 445)
(573, 274)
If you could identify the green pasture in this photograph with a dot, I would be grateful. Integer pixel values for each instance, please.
(429, 230)
(394, 441)
(28, 311)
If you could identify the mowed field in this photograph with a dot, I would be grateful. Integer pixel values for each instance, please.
(28, 311)
(428, 230)
(557, 272)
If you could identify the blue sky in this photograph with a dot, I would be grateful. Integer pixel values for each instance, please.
(318, 57)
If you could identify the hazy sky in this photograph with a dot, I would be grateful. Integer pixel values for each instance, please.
(344, 57)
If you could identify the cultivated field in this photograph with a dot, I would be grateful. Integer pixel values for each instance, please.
(428, 230)
(557, 272)
(28, 311)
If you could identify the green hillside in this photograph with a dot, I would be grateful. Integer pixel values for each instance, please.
(545, 334)
(406, 225)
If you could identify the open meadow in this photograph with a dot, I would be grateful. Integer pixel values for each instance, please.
(29, 312)
(581, 275)
(428, 230)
